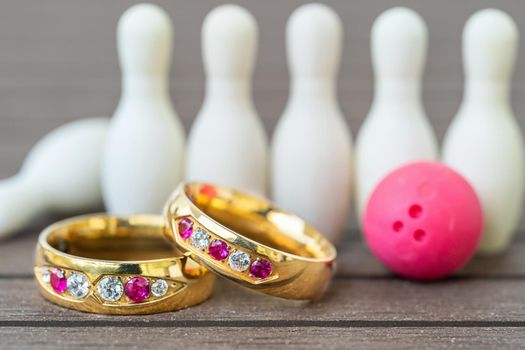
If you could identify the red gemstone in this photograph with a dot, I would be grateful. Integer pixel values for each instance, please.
(58, 280)
(260, 268)
(209, 190)
(218, 250)
(185, 228)
(137, 289)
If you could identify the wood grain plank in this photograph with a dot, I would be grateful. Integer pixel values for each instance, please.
(375, 300)
(68, 52)
(58, 62)
(354, 258)
(256, 338)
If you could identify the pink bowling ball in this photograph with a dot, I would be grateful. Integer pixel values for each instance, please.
(423, 221)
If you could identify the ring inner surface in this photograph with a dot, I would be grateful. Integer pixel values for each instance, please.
(111, 238)
(258, 220)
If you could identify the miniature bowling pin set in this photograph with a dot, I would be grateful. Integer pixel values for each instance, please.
(423, 212)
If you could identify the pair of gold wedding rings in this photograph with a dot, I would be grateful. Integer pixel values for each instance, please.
(112, 265)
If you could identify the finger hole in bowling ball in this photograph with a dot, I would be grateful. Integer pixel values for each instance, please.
(419, 235)
(397, 226)
(415, 211)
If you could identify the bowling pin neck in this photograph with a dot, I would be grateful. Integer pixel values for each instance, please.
(218, 89)
(313, 91)
(140, 85)
(484, 92)
(397, 91)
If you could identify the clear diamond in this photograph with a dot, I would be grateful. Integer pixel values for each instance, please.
(46, 275)
(110, 288)
(78, 285)
(200, 239)
(159, 288)
(239, 261)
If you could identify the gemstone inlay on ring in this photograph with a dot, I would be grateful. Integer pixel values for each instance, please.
(78, 285)
(260, 268)
(200, 239)
(110, 288)
(218, 250)
(159, 288)
(58, 280)
(185, 228)
(137, 289)
(239, 261)
(46, 274)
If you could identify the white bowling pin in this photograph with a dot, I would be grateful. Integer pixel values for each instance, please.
(396, 130)
(484, 142)
(60, 174)
(144, 157)
(312, 147)
(227, 143)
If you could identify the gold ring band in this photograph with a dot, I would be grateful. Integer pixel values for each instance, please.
(110, 265)
(249, 241)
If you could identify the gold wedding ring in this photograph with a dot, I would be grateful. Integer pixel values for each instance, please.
(247, 240)
(110, 265)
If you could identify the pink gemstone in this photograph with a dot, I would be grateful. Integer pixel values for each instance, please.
(185, 228)
(260, 268)
(58, 281)
(137, 289)
(218, 250)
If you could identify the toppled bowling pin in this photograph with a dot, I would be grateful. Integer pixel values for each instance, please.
(60, 174)
(227, 144)
(484, 142)
(144, 156)
(312, 147)
(396, 130)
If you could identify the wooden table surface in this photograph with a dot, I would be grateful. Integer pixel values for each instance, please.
(482, 306)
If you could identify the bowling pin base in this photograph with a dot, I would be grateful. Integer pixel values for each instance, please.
(494, 247)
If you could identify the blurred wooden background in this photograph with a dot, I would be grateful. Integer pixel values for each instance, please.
(58, 62)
